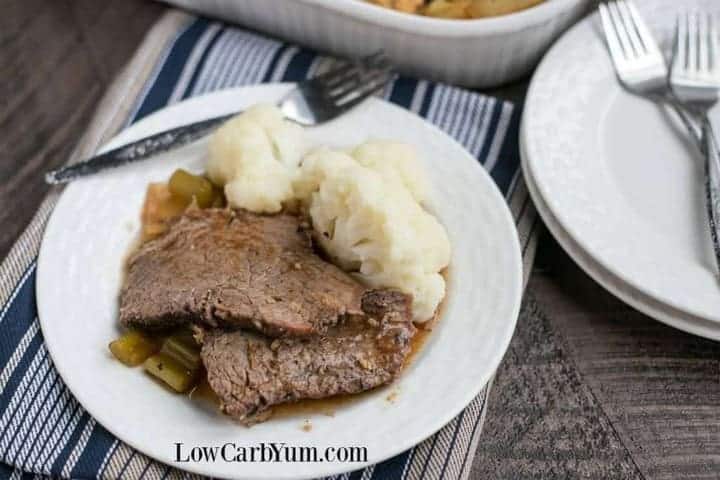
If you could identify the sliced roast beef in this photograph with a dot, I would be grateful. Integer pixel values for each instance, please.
(251, 372)
(228, 268)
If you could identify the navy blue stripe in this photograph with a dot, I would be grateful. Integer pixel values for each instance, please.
(20, 314)
(202, 62)
(403, 90)
(270, 73)
(356, 475)
(19, 372)
(509, 155)
(425, 107)
(71, 444)
(159, 94)
(299, 66)
(488, 139)
(6, 471)
(492, 129)
(98, 446)
(392, 468)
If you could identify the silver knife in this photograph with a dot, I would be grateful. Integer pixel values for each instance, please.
(143, 148)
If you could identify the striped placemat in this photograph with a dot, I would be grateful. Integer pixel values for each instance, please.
(43, 429)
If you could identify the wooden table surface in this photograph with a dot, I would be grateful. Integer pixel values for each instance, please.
(589, 388)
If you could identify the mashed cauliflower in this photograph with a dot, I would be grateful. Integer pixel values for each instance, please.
(365, 204)
(369, 219)
(255, 156)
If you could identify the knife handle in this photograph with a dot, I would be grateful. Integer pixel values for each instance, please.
(138, 150)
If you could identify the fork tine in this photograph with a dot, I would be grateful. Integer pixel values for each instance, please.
(620, 30)
(680, 61)
(355, 82)
(714, 42)
(646, 35)
(350, 67)
(692, 42)
(340, 69)
(365, 91)
(360, 85)
(630, 27)
(331, 81)
(703, 49)
(616, 51)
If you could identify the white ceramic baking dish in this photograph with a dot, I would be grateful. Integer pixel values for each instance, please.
(478, 53)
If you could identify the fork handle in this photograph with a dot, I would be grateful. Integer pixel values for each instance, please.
(138, 150)
(687, 119)
(712, 183)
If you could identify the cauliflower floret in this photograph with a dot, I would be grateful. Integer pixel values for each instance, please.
(394, 159)
(368, 221)
(314, 168)
(255, 156)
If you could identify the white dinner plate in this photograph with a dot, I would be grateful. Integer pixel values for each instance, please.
(97, 220)
(617, 182)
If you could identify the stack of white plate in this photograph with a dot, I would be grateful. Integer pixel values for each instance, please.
(617, 182)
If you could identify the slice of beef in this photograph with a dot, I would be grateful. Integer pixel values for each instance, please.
(233, 268)
(250, 372)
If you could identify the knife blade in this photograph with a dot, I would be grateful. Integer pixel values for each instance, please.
(145, 147)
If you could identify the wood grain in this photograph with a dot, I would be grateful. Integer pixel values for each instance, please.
(58, 56)
(659, 387)
(590, 388)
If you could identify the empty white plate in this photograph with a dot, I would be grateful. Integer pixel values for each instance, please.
(617, 182)
(97, 220)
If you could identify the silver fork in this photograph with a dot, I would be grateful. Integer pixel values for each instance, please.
(329, 95)
(695, 79)
(639, 63)
(695, 66)
(312, 102)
